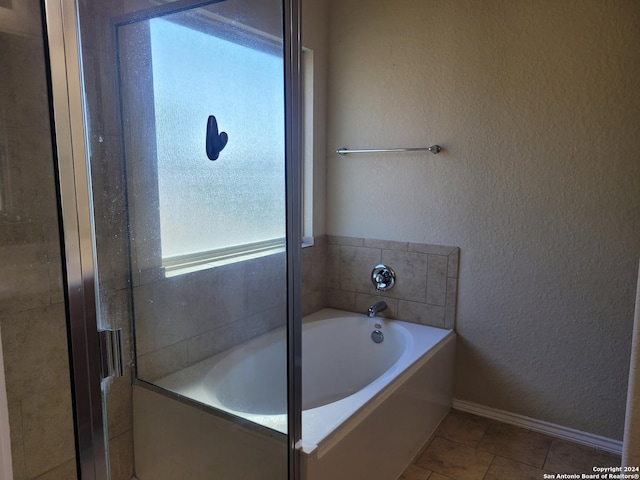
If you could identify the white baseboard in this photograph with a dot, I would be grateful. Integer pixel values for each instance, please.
(566, 433)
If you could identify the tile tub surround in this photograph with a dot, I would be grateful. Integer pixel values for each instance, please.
(426, 285)
(183, 319)
(469, 447)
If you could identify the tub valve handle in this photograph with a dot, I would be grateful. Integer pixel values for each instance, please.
(383, 277)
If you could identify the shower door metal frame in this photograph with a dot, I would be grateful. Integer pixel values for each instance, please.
(61, 22)
(65, 67)
(293, 182)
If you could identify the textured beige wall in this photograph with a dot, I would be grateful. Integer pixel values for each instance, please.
(631, 448)
(538, 108)
(314, 31)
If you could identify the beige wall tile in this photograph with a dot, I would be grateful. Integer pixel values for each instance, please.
(255, 325)
(119, 404)
(453, 263)
(66, 471)
(437, 280)
(160, 363)
(333, 267)
(211, 343)
(28, 181)
(48, 430)
(341, 300)
(356, 264)
(144, 319)
(411, 274)
(121, 456)
(349, 270)
(347, 241)
(17, 442)
(423, 313)
(23, 259)
(23, 92)
(312, 302)
(314, 267)
(430, 249)
(35, 351)
(29, 287)
(451, 303)
(386, 244)
(266, 283)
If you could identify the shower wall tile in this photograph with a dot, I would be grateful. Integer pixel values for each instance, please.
(17, 442)
(345, 241)
(437, 280)
(23, 259)
(410, 285)
(453, 263)
(259, 324)
(23, 93)
(315, 271)
(210, 343)
(314, 266)
(333, 267)
(34, 345)
(121, 456)
(341, 299)
(183, 319)
(160, 363)
(47, 422)
(27, 178)
(431, 249)
(21, 17)
(312, 302)
(426, 279)
(66, 471)
(452, 301)
(387, 245)
(356, 264)
(118, 399)
(144, 304)
(265, 283)
(423, 313)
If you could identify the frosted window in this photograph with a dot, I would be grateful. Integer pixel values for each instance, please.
(239, 198)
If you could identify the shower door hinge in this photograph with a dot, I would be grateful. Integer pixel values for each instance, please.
(111, 350)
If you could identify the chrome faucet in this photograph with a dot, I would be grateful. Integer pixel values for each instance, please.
(376, 307)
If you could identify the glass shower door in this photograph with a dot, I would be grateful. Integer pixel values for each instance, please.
(188, 131)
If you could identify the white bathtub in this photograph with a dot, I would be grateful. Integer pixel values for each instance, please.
(349, 382)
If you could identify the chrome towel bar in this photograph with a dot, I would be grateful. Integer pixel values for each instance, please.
(435, 149)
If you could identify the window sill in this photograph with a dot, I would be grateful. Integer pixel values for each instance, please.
(183, 264)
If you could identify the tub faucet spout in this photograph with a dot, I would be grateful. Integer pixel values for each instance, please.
(376, 307)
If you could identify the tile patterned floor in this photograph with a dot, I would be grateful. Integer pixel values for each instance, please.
(468, 447)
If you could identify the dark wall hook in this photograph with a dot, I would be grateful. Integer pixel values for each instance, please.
(215, 141)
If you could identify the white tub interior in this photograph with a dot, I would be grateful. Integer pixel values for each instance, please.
(343, 369)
